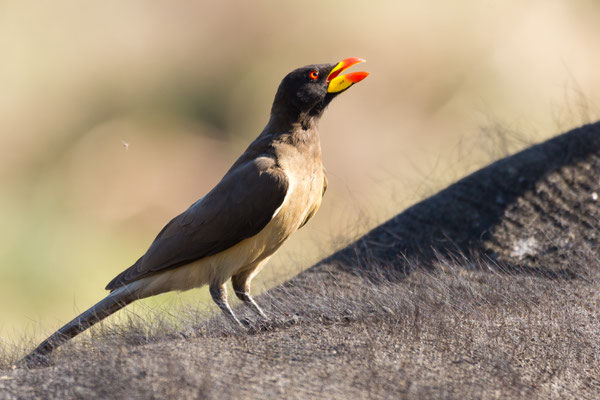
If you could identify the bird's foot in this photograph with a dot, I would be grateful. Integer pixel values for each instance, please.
(257, 325)
(34, 360)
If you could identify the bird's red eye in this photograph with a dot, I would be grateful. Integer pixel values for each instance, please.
(314, 75)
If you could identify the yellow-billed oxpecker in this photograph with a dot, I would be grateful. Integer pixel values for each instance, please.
(270, 192)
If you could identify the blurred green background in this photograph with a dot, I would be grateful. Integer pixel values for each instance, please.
(117, 115)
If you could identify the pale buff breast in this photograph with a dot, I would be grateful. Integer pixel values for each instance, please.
(302, 200)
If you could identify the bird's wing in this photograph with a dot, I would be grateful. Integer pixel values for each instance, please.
(239, 207)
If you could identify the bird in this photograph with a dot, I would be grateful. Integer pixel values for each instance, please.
(273, 189)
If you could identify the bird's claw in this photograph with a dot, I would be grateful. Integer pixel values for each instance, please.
(34, 360)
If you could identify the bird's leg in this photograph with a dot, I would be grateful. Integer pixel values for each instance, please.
(219, 295)
(241, 286)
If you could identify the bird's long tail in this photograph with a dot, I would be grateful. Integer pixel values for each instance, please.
(105, 307)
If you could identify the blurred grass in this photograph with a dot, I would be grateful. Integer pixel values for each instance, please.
(186, 86)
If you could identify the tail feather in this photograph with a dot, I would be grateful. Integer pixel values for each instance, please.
(105, 307)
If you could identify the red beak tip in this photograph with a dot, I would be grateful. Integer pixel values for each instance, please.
(353, 60)
(356, 77)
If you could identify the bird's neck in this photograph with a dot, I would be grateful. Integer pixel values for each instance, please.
(289, 119)
(292, 128)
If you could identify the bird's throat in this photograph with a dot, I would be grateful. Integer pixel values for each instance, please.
(289, 122)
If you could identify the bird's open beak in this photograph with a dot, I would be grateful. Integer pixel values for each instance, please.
(338, 82)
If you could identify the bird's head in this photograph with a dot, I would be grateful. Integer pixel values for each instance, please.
(305, 92)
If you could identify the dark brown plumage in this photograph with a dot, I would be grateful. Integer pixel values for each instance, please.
(239, 207)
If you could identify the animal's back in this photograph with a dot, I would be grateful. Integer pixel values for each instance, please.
(302, 200)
